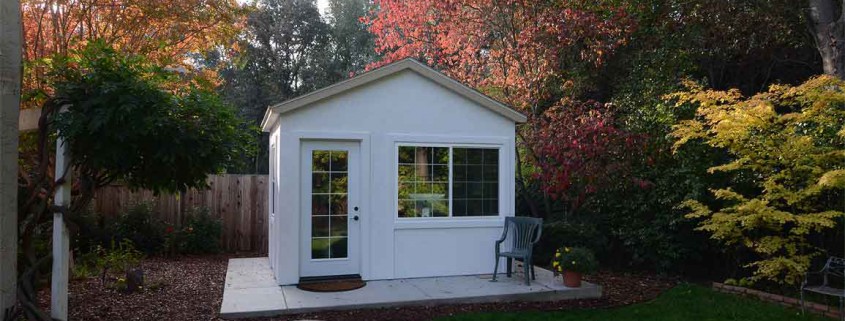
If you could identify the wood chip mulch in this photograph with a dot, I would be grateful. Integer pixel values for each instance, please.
(182, 288)
(191, 288)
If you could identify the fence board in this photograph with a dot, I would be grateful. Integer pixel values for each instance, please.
(238, 201)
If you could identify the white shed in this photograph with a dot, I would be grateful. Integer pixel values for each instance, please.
(399, 172)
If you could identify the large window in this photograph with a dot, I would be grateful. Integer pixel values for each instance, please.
(447, 181)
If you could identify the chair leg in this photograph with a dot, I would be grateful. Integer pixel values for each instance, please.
(533, 275)
(510, 266)
(495, 269)
(802, 301)
(842, 308)
(526, 268)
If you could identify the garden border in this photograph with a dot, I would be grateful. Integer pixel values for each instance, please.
(786, 301)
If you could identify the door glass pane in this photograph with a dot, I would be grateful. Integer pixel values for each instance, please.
(329, 199)
(339, 247)
(320, 248)
(320, 226)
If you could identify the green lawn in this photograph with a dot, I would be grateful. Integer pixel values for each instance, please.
(685, 302)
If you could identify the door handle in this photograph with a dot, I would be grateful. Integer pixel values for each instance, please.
(355, 217)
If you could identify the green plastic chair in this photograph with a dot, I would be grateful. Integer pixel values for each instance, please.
(521, 233)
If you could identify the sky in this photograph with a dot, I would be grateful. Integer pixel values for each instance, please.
(323, 5)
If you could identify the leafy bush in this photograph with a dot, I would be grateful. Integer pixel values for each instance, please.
(581, 232)
(116, 258)
(84, 266)
(200, 234)
(90, 229)
(122, 106)
(785, 149)
(575, 259)
(139, 226)
(119, 258)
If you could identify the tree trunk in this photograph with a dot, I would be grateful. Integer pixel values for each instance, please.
(827, 24)
(10, 89)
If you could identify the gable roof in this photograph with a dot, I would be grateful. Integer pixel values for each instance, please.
(455, 86)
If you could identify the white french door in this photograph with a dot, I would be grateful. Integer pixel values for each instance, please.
(331, 221)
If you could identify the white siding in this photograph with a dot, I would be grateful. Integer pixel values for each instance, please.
(404, 107)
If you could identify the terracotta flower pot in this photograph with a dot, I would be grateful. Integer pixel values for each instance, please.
(571, 279)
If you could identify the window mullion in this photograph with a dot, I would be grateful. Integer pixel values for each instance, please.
(450, 180)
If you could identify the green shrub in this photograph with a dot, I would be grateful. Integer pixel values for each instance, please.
(85, 263)
(90, 230)
(120, 257)
(574, 232)
(82, 271)
(139, 226)
(200, 234)
(117, 258)
(575, 259)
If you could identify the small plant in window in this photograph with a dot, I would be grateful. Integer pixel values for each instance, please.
(573, 263)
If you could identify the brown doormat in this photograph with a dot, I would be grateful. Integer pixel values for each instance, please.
(332, 285)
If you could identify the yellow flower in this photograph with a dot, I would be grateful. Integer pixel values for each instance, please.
(573, 262)
(557, 255)
(566, 249)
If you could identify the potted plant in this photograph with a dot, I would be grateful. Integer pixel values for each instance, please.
(573, 263)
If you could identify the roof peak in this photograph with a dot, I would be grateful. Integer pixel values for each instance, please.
(420, 68)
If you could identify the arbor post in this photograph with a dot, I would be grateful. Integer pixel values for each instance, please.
(61, 241)
(10, 90)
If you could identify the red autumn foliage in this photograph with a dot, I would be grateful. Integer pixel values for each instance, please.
(516, 51)
(580, 150)
(523, 53)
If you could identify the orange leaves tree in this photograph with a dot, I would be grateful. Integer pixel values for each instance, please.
(57, 33)
(165, 32)
(516, 51)
(528, 54)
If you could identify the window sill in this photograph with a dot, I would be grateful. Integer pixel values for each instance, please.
(448, 222)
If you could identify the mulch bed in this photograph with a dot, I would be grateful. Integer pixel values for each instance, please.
(191, 288)
(182, 288)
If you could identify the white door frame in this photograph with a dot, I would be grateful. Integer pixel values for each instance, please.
(351, 264)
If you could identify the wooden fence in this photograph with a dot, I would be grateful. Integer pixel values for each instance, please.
(239, 201)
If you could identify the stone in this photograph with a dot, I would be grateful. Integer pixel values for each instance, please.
(134, 280)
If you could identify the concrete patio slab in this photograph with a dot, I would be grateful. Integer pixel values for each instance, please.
(251, 291)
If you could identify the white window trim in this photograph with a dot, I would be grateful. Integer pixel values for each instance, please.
(273, 170)
(453, 221)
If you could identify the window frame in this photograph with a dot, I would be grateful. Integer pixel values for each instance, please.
(451, 146)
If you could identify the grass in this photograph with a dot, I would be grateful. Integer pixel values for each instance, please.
(684, 302)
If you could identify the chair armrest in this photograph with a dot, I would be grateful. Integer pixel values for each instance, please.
(504, 234)
(539, 233)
